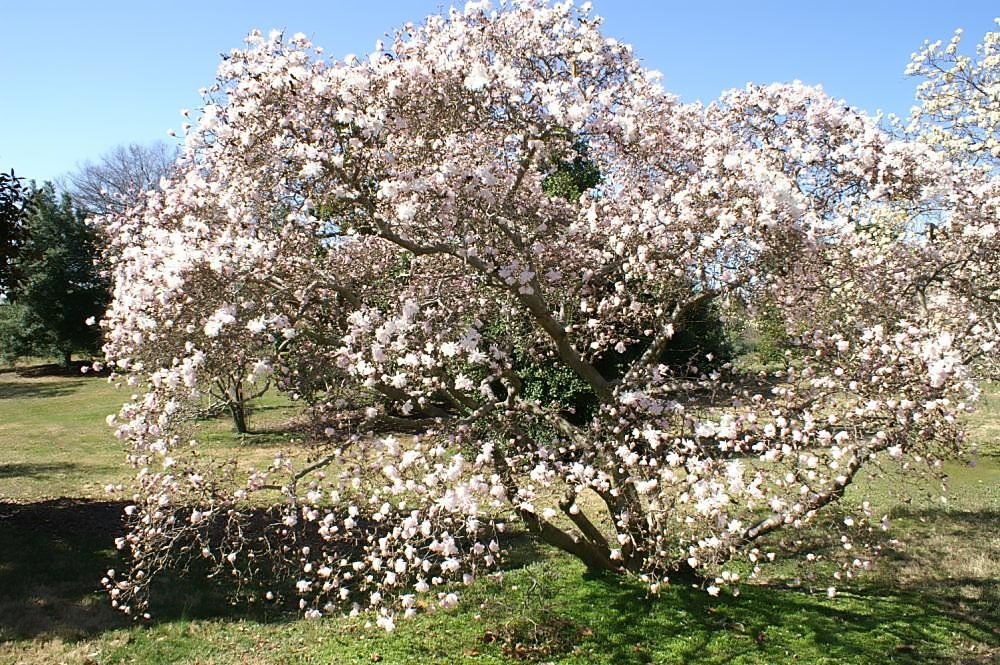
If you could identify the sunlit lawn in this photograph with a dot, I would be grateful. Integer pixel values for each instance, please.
(57, 443)
(933, 598)
(55, 439)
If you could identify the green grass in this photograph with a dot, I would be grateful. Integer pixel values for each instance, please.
(55, 439)
(56, 442)
(934, 597)
(551, 612)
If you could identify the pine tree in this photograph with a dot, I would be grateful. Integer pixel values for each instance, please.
(13, 200)
(59, 286)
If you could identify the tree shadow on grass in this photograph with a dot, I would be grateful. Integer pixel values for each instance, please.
(966, 586)
(945, 559)
(76, 369)
(922, 607)
(36, 470)
(766, 625)
(40, 389)
(266, 437)
(52, 557)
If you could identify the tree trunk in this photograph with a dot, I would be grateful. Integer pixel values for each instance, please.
(238, 408)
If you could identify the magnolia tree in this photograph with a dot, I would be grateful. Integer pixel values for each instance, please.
(960, 97)
(959, 113)
(377, 238)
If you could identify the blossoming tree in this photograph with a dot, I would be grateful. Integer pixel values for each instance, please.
(960, 97)
(376, 237)
(959, 115)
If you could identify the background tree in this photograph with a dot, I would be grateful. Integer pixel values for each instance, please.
(13, 201)
(119, 176)
(59, 286)
(426, 261)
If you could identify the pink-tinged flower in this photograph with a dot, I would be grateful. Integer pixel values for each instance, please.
(477, 78)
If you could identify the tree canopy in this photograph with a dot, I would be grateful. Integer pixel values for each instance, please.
(120, 176)
(384, 237)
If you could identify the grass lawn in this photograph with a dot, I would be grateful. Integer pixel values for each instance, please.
(57, 444)
(55, 439)
(934, 598)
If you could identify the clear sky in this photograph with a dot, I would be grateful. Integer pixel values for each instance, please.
(78, 78)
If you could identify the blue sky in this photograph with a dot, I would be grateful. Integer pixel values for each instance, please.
(78, 78)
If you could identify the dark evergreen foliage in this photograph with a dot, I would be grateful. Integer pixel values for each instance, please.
(59, 283)
(13, 205)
